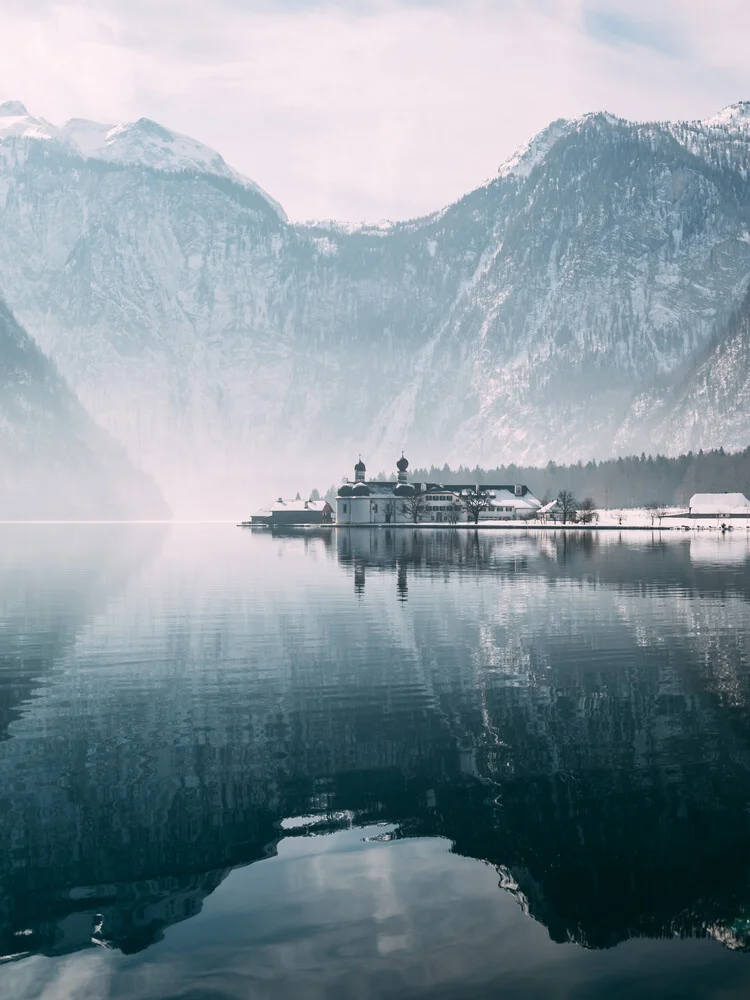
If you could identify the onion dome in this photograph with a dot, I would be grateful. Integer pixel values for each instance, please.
(345, 490)
(403, 463)
(403, 489)
(361, 490)
(360, 466)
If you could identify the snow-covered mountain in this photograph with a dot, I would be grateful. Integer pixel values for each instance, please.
(551, 313)
(54, 461)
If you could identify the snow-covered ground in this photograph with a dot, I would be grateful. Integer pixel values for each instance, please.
(672, 518)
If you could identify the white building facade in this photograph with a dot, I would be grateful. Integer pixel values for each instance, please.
(719, 505)
(364, 501)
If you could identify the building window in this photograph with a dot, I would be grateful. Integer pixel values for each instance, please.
(343, 508)
(374, 508)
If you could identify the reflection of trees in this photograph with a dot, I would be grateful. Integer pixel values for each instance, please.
(611, 793)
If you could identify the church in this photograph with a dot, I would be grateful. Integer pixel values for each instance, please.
(370, 501)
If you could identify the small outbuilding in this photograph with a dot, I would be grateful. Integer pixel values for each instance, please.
(719, 505)
(548, 510)
(289, 512)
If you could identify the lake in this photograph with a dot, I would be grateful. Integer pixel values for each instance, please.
(366, 763)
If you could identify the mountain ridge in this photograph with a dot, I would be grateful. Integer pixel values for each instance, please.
(548, 314)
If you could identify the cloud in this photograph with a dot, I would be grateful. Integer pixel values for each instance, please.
(372, 108)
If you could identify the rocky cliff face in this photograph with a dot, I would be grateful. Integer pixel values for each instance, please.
(706, 404)
(552, 313)
(54, 461)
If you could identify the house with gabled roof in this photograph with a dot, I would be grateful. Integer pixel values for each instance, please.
(719, 505)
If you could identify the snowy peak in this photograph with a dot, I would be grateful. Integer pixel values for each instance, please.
(87, 137)
(143, 143)
(734, 115)
(13, 109)
(15, 121)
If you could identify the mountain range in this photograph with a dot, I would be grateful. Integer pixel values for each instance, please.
(588, 300)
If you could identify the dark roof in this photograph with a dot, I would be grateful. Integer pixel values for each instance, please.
(403, 464)
(389, 486)
(360, 466)
(486, 487)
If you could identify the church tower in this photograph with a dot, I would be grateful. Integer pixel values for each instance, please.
(403, 488)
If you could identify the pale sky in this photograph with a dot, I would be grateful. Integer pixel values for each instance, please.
(370, 109)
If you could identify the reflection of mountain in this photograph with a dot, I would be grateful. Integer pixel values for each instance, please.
(129, 916)
(605, 771)
(52, 582)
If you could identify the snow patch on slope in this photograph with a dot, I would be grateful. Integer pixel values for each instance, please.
(734, 115)
(531, 153)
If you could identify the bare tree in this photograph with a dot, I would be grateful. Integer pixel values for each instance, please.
(413, 506)
(474, 502)
(653, 510)
(568, 505)
(452, 511)
(587, 511)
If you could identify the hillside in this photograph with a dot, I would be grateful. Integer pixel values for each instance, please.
(55, 463)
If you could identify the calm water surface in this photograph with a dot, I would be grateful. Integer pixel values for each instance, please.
(370, 764)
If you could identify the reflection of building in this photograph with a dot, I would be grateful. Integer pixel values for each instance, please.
(401, 502)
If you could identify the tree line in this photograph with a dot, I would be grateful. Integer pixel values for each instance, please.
(632, 481)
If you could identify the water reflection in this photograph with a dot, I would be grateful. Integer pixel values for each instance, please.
(571, 709)
(53, 581)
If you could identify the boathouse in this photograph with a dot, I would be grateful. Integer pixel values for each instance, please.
(289, 512)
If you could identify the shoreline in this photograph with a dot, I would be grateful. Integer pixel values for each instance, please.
(503, 526)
